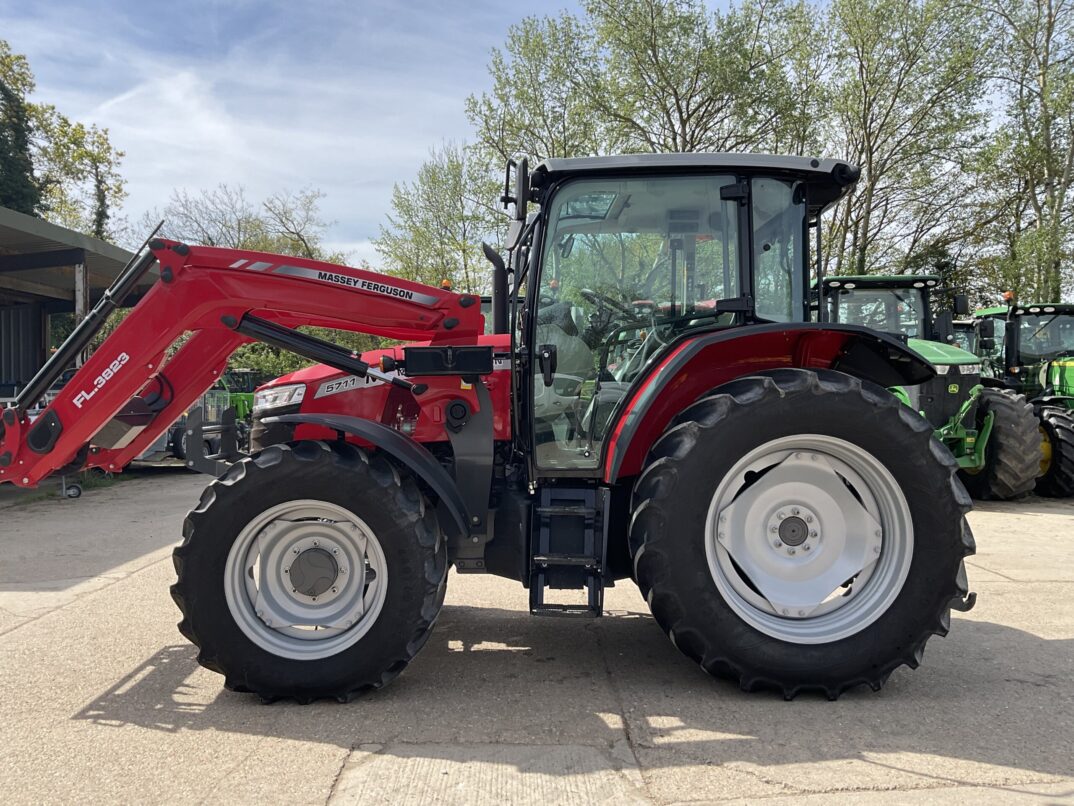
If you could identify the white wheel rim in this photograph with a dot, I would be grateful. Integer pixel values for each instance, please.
(305, 579)
(781, 545)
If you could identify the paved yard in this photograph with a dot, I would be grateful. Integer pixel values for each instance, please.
(102, 700)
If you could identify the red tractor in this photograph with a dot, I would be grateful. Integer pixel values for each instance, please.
(652, 403)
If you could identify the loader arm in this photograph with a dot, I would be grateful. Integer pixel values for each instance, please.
(133, 387)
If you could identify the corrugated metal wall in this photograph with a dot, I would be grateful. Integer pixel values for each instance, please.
(22, 348)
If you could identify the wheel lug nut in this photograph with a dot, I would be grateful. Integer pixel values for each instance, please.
(781, 515)
(878, 533)
(287, 570)
(773, 529)
(777, 543)
(806, 547)
(795, 511)
(808, 518)
(335, 590)
(342, 570)
(294, 551)
(876, 549)
(790, 551)
(813, 533)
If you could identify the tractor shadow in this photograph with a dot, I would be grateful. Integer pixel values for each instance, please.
(989, 695)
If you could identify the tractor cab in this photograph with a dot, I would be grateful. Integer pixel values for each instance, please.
(631, 255)
(1031, 348)
(900, 304)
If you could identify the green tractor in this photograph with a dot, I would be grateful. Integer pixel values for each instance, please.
(991, 431)
(1029, 350)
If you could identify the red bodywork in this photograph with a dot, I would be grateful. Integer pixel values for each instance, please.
(199, 289)
(329, 391)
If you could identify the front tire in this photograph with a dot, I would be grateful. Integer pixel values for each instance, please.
(310, 571)
(1057, 437)
(1012, 455)
(745, 479)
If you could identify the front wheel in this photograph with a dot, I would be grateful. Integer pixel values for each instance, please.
(800, 530)
(1012, 454)
(310, 571)
(1057, 447)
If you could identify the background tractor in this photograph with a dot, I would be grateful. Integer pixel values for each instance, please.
(991, 431)
(656, 406)
(1029, 349)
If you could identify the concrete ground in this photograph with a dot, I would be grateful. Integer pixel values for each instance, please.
(102, 700)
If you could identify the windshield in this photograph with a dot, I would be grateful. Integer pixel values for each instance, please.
(1044, 337)
(889, 310)
(628, 265)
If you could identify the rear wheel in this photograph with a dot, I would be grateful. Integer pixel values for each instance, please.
(309, 571)
(1057, 445)
(799, 530)
(1012, 455)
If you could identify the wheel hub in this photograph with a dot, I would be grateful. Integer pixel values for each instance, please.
(793, 531)
(313, 572)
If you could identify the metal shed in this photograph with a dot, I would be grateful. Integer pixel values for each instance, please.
(45, 269)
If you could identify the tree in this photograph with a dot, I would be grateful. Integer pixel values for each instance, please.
(439, 220)
(82, 187)
(51, 166)
(535, 107)
(19, 188)
(286, 222)
(1033, 154)
(907, 86)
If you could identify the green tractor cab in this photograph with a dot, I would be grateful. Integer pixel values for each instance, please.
(990, 431)
(1029, 349)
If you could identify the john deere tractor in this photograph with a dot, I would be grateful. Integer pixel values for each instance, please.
(1029, 350)
(992, 432)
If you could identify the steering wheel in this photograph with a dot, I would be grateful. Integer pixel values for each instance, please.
(604, 301)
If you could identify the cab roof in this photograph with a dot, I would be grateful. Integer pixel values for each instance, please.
(885, 281)
(1033, 309)
(827, 180)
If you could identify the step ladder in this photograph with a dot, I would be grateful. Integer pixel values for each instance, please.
(569, 549)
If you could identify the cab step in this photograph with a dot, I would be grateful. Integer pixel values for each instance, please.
(569, 550)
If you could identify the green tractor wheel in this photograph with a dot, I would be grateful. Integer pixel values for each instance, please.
(1057, 448)
(1012, 454)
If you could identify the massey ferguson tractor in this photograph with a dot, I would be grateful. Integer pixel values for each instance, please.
(991, 431)
(651, 403)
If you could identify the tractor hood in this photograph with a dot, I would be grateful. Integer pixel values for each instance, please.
(1061, 376)
(942, 354)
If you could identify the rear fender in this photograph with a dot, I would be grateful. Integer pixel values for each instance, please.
(411, 454)
(701, 363)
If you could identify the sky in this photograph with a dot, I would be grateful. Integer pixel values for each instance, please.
(345, 97)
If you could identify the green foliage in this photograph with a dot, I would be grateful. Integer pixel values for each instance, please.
(439, 220)
(19, 188)
(50, 165)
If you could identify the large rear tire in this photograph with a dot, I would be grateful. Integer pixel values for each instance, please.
(1057, 436)
(1012, 455)
(800, 531)
(310, 571)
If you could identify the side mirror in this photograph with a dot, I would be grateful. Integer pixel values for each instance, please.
(986, 345)
(522, 189)
(986, 329)
(961, 305)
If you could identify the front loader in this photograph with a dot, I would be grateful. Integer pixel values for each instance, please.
(652, 403)
(991, 431)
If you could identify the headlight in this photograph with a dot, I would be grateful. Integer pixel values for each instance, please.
(276, 396)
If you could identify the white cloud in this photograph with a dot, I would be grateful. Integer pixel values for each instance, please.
(270, 96)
